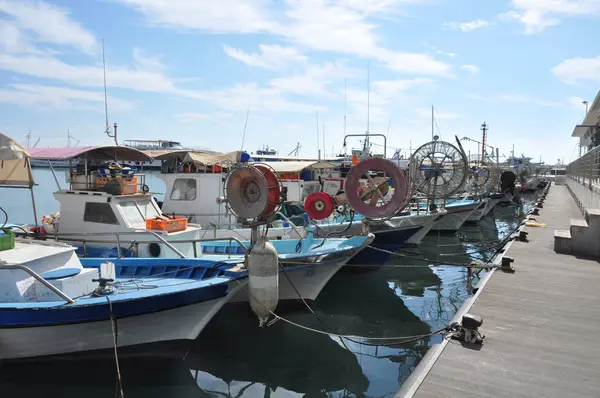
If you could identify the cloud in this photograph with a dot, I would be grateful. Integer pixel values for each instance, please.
(537, 15)
(48, 67)
(148, 62)
(314, 80)
(516, 98)
(524, 98)
(578, 69)
(270, 56)
(576, 102)
(340, 26)
(60, 98)
(51, 23)
(224, 16)
(467, 26)
(438, 115)
(192, 117)
(470, 68)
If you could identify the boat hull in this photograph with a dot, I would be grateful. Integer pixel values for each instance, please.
(383, 246)
(453, 220)
(478, 213)
(490, 206)
(176, 324)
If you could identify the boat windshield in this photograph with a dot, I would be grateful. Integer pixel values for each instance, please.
(135, 212)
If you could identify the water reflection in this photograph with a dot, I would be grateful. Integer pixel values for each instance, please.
(143, 378)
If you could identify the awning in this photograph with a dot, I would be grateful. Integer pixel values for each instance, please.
(198, 157)
(107, 152)
(14, 163)
(297, 166)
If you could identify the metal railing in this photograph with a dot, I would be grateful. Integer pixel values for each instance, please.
(81, 237)
(40, 279)
(586, 169)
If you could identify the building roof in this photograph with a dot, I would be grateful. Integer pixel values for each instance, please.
(592, 119)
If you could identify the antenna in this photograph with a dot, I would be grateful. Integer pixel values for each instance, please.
(245, 126)
(107, 131)
(484, 136)
(323, 135)
(432, 122)
(318, 148)
(345, 105)
(368, 95)
(28, 139)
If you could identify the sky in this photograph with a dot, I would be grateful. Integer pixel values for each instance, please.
(304, 71)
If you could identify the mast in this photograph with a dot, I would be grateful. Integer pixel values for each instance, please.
(318, 147)
(345, 105)
(432, 122)
(484, 136)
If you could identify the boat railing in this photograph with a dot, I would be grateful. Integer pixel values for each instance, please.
(586, 169)
(40, 279)
(83, 238)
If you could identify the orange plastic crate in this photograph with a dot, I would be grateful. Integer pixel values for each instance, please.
(173, 225)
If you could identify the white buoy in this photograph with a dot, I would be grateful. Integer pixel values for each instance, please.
(263, 275)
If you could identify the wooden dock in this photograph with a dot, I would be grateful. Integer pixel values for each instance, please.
(540, 324)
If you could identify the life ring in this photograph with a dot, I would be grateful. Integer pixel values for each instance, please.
(319, 205)
(145, 188)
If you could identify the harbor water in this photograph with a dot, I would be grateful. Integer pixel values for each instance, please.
(417, 292)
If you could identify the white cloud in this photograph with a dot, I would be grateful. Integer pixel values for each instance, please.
(470, 68)
(314, 80)
(467, 26)
(537, 15)
(60, 98)
(516, 97)
(578, 69)
(49, 67)
(438, 115)
(576, 102)
(250, 95)
(270, 56)
(341, 26)
(51, 23)
(192, 117)
(223, 16)
(148, 62)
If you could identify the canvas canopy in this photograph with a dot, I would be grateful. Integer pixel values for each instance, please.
(14, 163)
(297, 166)
(198, 157)
(105, 152)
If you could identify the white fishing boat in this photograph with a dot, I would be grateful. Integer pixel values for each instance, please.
(52, 304)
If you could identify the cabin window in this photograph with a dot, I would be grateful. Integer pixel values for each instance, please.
(100, 213)
(184, 189)
(135, 212)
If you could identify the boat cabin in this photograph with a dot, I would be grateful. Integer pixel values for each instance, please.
(108, 205)
(194, 180)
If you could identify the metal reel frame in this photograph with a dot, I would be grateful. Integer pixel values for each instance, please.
(262, 184)
(373, 193)
(426, 179)
(480, 186)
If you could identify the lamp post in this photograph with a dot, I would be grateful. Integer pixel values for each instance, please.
(586, 107)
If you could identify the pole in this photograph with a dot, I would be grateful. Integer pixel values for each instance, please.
(318, 145)
(484, 129)
(432, 122)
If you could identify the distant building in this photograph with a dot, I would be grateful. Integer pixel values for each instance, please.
(588, 131)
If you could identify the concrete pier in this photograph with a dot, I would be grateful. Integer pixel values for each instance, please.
(540, 324)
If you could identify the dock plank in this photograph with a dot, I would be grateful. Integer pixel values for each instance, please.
(540, 323)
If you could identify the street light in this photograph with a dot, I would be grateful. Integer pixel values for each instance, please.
(586, 107)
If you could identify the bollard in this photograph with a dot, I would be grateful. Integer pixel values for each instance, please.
(507, 264)
(523, 236)
(535, 211)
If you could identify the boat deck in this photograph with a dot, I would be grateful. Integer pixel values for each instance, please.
(540, 325)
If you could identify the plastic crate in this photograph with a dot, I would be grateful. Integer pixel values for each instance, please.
(173, 225)
(7, 240)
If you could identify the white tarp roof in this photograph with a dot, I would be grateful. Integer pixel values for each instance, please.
(14, 163)
(297, 166)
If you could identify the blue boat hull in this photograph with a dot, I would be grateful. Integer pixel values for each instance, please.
(388, 242)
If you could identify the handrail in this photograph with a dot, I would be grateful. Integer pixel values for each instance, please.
(39, 278)
(118, 234)
(291, 223)
(65, 237)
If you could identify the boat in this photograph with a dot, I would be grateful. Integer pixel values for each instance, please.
(53, 303)
(107, 215)
(153, 147)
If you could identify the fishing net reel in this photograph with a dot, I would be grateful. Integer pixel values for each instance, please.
(252, 193)
(483, 178)
(440, 169)
(376, 188)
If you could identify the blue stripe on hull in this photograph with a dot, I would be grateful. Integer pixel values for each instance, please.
(390, 241)
(31, 317)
